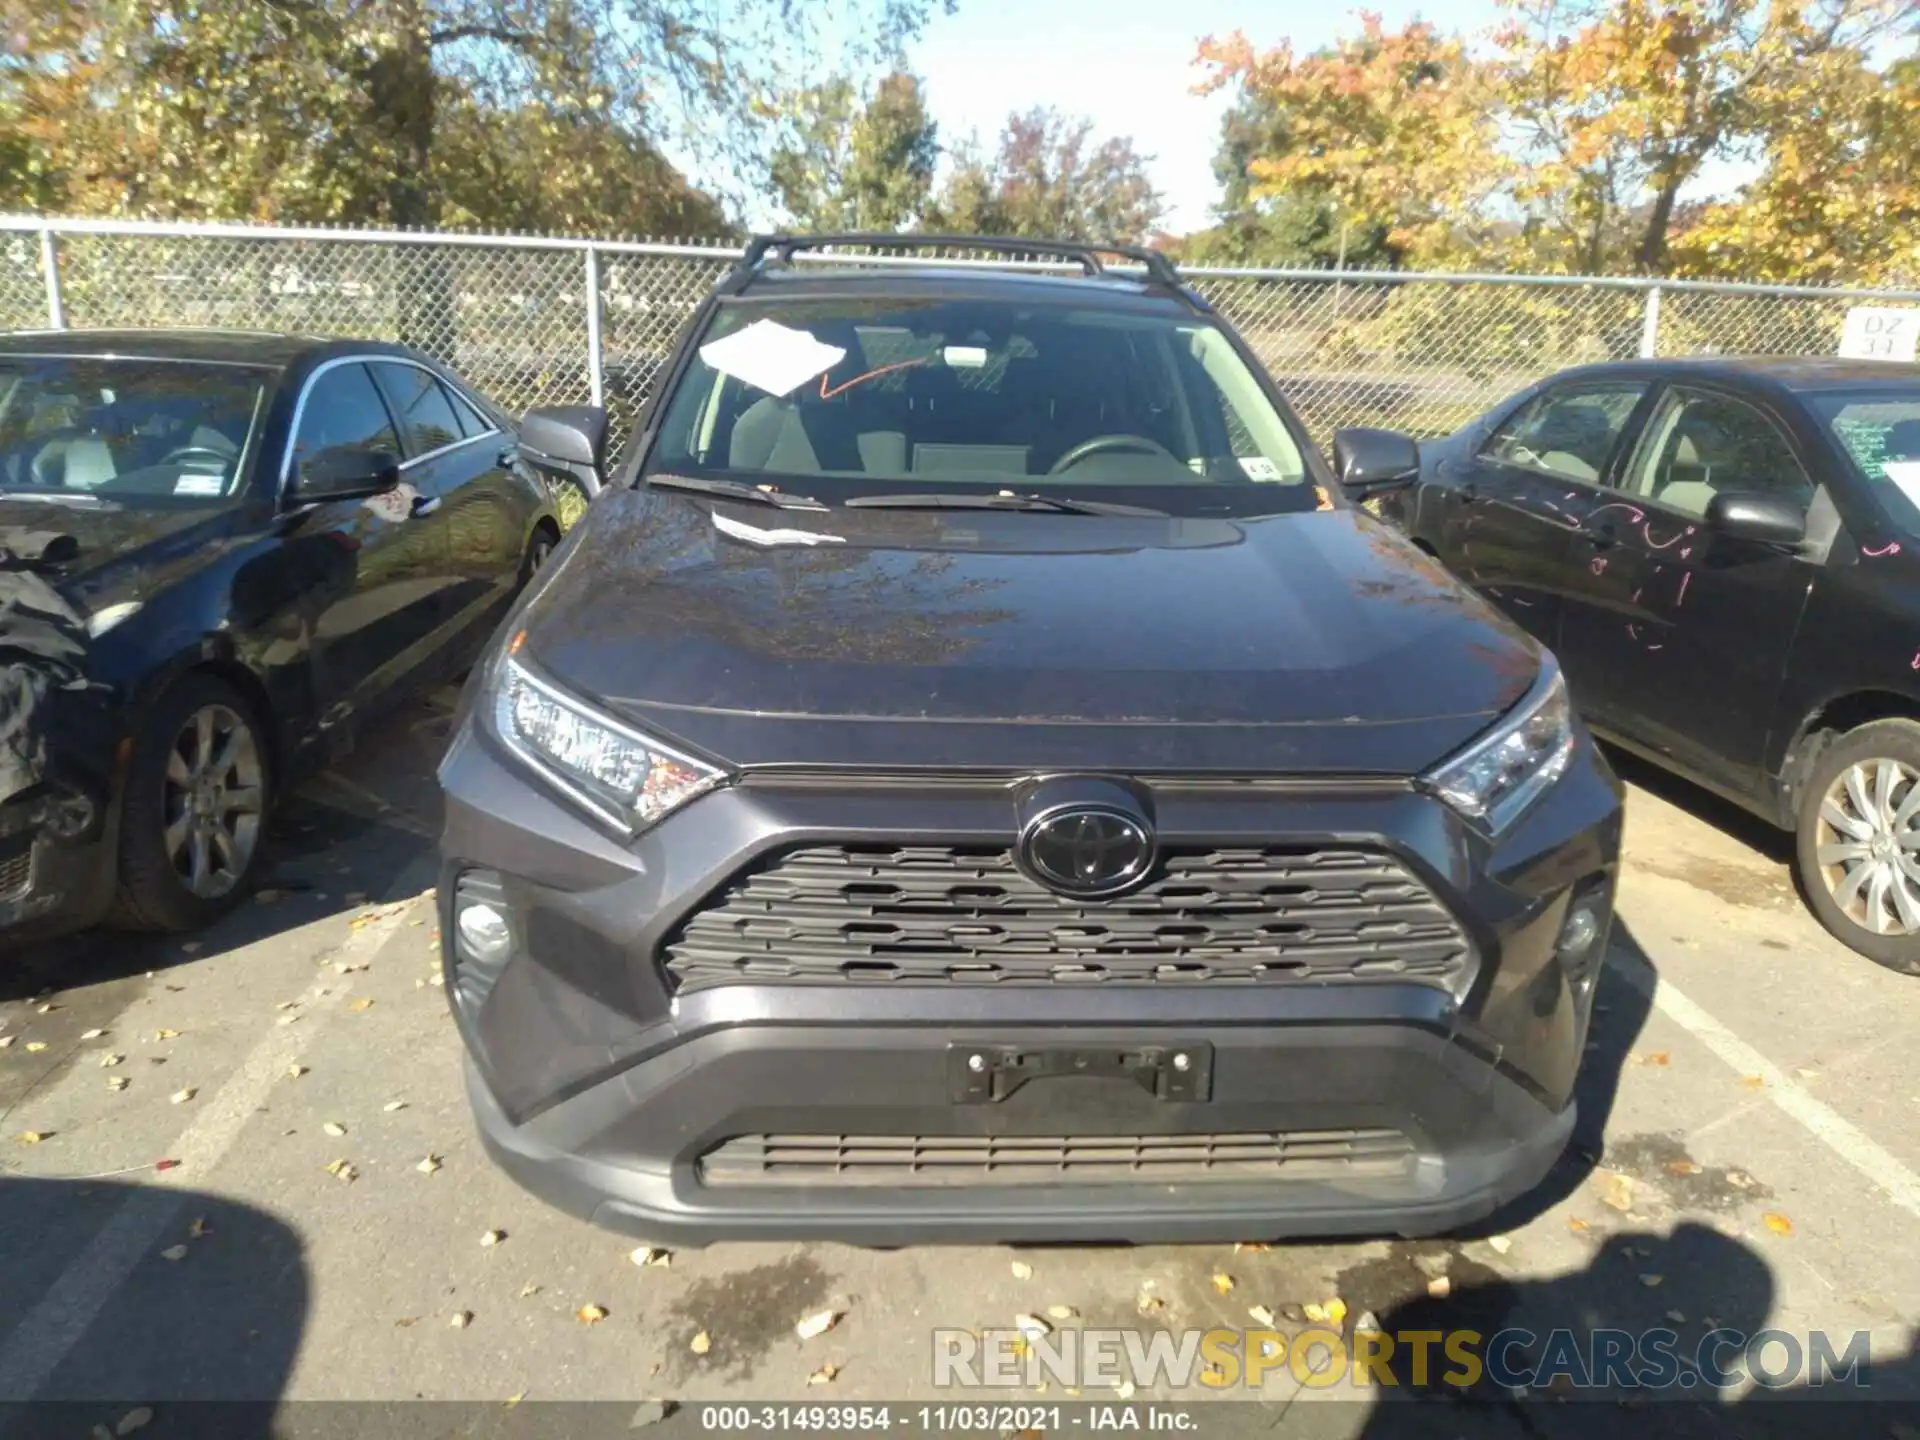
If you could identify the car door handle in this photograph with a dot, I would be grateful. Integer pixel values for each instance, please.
(1602, 536)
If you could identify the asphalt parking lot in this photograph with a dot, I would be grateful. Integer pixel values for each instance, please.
(1748, 1158)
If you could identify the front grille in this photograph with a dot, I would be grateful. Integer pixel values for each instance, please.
(854, 1161)
(967, 915)
(16, 870)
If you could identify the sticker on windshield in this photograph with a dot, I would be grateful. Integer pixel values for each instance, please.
(1905, 474)
(1258, 467)
(772, 357)
(965, 357)
(192, 484)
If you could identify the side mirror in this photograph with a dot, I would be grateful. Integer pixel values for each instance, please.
(1761, 518)
(346, 472)
(1369, 461)
(573, 434)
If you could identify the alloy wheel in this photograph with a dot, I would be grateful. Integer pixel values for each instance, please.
(1866, 844)
(215, 786)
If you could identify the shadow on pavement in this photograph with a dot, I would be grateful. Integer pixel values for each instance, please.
(1680, 1344)
(96, 1322)
(1742, 825)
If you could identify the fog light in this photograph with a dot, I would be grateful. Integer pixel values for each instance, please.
(485, 933)
(1579, 934)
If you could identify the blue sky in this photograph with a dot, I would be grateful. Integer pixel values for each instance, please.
(1127, 65)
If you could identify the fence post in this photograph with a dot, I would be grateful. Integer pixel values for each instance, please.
(1650, 325)
(50, 270)
(596, 369)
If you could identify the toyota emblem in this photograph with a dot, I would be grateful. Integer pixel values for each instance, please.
(1087, 850)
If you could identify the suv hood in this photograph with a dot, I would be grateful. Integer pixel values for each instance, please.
(1305, 642)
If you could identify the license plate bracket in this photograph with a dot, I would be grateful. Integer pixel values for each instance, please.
(986, 1073)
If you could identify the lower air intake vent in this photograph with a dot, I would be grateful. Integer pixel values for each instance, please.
(854, 1161)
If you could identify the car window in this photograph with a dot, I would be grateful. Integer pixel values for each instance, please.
(427, 417)
(343, 408)
(1879, 430)
(133, 430)
(1567, 432)
(473, 420)
(1699, 444)
(895, 394)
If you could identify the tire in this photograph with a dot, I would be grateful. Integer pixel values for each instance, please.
(1867, 894)
(199, 764)
(539, 550)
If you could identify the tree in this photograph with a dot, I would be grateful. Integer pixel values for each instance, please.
(1047, 178)
(384, 110)
(850, 165)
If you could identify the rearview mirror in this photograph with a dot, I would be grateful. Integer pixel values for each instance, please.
(575, 434)
(346, 472)
(1368, 461)
(1763, 519)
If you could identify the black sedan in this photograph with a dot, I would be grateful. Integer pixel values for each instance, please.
(1726, 556)
(221, 555)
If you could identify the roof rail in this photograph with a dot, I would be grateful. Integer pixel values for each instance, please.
(783, 247)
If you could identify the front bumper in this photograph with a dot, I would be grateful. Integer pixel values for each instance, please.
(56, 865)
(605, 1092)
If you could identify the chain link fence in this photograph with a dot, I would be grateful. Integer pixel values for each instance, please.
(536, 321)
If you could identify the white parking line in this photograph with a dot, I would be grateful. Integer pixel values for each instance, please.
(49, 1331)
(1827, 1125)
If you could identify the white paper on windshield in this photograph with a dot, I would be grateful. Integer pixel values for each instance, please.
(1258, 467)
(772, 357)
(965, 357)
(1905, 474)
(754, 535)
(191, 484)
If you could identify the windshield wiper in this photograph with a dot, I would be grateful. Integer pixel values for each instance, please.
(969, 501)
(735, 490)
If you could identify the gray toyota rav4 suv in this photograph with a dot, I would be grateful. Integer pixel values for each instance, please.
(976, 772)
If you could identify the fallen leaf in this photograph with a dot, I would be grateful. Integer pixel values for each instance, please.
(117, 1082)
(266, 897)
(1031, 1325)
(32, 1137)
(1440, 1287)
(492, 1238)
(1251, 1247)
(174, 1252)
(514, 1399)
(91, 1034)
(361, 1002)
(460, 1319)
(1778, 1223)
(648, 1255)
(701, 1343)
(1616, 1190)
(294, 1072)
(49, 1008)
(824, 1375)
(1021, 1270)
(1682, 1167)
(1659, 1057)
(1577, 1225)
(343, 1171)
(1061, 1312)
(817, 1323)
(1753, 1082)
(7, 1040)
(1124, 1389)
(530, 1288)
(287, 1005)
(650, 1412)
(393, 1105)
(199, 1229)
(181, 1097)
(1262, 1316)
(135, 1419)
(287, 1020)
(1222, 1282)
(1806, 1072)
(590, 1314)
(1652, 1281)
(1676, 1317)
(334, 1128)
(107, 1062)
(428, 1165)
(34, 1047)
(1499, 1244)
(1316, 1312)
(1150, 1304)
(166, 1034)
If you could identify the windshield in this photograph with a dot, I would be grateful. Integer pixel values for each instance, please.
(139, 431)
(844, 398)
(1880, 431)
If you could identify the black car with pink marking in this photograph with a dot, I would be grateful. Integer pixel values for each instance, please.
(1725, 556)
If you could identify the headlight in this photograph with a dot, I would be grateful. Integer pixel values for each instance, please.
(625, 777)
(1498, 776)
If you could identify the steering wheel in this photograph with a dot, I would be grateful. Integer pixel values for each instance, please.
(187, 453)
(1100, 444)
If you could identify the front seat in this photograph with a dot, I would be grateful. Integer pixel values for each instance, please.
(74, 460)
